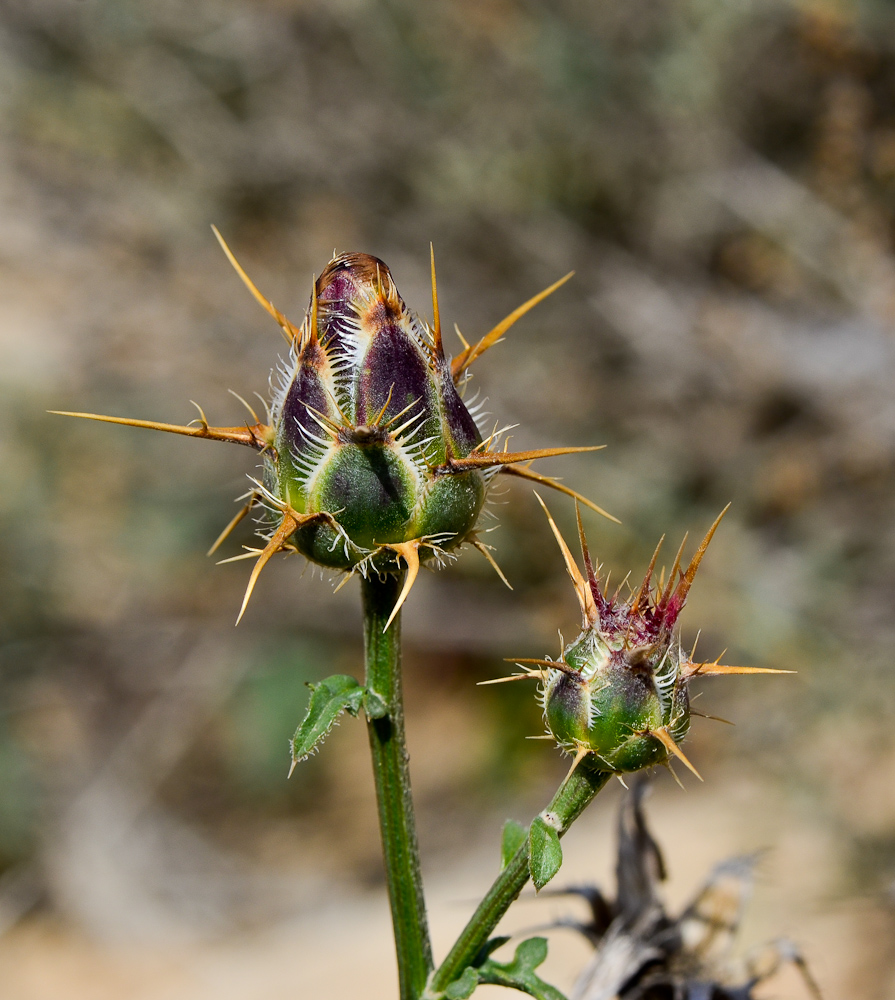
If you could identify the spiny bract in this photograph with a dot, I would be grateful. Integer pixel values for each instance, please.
(620, 690)
(372, 461)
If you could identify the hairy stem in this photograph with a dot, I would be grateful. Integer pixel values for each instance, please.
(382, 651)
(573, 795)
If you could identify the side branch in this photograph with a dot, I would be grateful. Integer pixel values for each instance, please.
(573, 796)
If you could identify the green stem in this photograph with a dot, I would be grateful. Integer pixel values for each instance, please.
(573, 795)
(382, 651)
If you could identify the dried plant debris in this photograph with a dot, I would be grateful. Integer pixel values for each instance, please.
(645, 953)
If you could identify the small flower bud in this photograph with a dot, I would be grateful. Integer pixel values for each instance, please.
(620, 690)
(616, 698)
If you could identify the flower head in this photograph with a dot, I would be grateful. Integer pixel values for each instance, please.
(372, 462)
(368, 426)
(619, 691)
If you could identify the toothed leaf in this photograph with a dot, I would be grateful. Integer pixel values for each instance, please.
(329, 699)
(520, 973)
(513, 837)
(544, 853)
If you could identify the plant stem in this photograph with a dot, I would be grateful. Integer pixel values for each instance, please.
(382, 651)
(570, 800)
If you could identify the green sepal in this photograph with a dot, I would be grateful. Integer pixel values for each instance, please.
(544, 853)
(329, 699)
(519, 974)
(512, 838)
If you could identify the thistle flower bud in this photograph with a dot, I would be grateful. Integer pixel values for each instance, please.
(372, 461)
(618, 701)
(367, 425)
(619, 691)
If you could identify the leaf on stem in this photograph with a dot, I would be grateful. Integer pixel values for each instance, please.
(329, 699)
(513, 837)
(544, 853)
(463, 987)
(519, 974)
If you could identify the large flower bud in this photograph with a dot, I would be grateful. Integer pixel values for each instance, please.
(368, 426)
(372, 462)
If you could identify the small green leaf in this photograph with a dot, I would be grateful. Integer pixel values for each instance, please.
(463, 987)
(374, 705)
(531, 953)
(520, 973)
(329, 699)
(513, 837)
(544, 853)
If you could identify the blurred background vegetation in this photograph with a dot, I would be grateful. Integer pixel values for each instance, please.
(720, 175)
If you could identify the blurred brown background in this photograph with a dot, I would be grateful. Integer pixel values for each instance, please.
(720, 175)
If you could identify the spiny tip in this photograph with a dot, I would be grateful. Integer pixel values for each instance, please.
(409, 552)
(666, 739)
